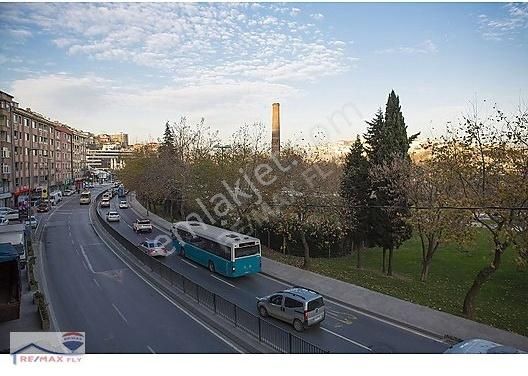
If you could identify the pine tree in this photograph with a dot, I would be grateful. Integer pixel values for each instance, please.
(355, 191)
(387, 141)
(167, 149)
(375, 138)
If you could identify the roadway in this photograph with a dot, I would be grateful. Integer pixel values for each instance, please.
(344, 330)
(90, 289)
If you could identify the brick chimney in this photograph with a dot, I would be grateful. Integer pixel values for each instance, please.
(275, 129)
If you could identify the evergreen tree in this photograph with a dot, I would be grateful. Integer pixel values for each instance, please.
(387, 141)
(167, 148)
(355, 191)
(375, 138)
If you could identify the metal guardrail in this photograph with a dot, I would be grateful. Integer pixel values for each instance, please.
(268, 333)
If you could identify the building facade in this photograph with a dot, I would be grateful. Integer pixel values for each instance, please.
(6, 122)
(110, 157)
(37, 153)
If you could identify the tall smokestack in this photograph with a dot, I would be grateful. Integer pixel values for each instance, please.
(275, 129)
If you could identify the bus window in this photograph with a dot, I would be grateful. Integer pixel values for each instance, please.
(247, 251)
(184, 235)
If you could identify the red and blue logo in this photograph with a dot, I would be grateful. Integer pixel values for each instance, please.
(72, 340)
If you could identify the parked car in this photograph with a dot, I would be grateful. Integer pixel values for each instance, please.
(105, 203)
(11, 214)
(298, 306)
(112, 216)
(481, 346)
(43, 207)
(123, 204)
(142, 225)
(68, 192)
(31, 221)
(4, 221)
(154, 248)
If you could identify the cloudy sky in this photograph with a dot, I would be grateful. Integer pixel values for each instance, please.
(111, 67)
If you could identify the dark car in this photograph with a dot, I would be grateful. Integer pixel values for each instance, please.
(42, 208)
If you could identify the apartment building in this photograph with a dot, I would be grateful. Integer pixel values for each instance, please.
(110, 139)
(37, 152)
(6, 122)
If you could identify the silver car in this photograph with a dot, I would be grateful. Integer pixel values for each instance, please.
(298, 306)
(481, 346)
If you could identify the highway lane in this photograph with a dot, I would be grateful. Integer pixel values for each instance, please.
(344, 329)
(90, 289)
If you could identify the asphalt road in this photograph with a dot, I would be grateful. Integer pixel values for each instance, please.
(344, 330)
(90, 289)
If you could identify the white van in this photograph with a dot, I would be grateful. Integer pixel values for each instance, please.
(55, 197)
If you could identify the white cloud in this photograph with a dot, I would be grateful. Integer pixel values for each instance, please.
(294, 12)
(19, 34)
(426, 47)
(317, 16)
(513, 23)
(99, 105)
(179, 38)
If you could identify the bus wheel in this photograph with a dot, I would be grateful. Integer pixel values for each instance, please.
(211, 267)
(182, 252)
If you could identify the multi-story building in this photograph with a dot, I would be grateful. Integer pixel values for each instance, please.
(110, 157)
(109, 139)
(63, 154)
(6, 122)
(37, 152)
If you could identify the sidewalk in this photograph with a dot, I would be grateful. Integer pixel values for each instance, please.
(29, 320)
(388, 308)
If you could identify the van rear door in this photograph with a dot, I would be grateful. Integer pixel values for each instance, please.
(315, 311)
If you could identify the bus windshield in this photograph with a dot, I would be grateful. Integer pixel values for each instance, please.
(247, 251)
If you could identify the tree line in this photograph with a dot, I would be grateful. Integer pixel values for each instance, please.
(310, 203)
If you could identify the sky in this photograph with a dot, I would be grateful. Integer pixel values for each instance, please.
(131, 67)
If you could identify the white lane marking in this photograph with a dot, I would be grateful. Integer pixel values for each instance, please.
(189, 263)
(84, 264)
(404, 328)
(386, 321)
(170, 300)
(347, 339)
(221, 280)
(150, 349)
(120, 314)
(97, 283)
(86, 258)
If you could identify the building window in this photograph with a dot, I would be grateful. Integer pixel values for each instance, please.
(33, 124)
(8, 138)
(27, 136)
(5, 169)
(5, 152)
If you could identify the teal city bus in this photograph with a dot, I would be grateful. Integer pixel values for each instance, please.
(222, 251)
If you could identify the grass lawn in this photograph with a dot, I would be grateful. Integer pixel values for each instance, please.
(502, 302)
